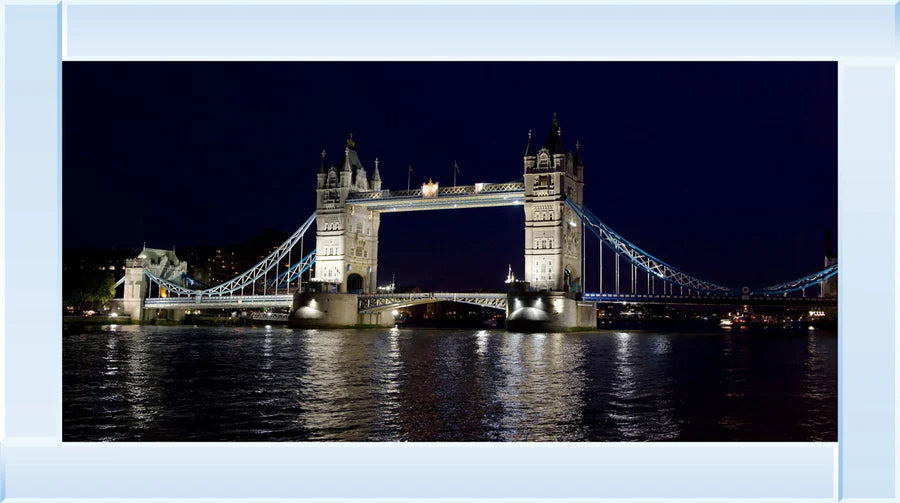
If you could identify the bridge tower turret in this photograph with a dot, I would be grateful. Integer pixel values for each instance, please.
(323, 172)
(135, 287)
(346, 236)
(376, 177)
(553, 232)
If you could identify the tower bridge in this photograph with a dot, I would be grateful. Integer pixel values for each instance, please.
(343, 266)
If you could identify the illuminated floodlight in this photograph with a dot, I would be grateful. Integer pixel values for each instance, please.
(558, 305)
(430, 189)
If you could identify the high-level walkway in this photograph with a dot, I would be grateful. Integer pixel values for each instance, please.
(483, 195)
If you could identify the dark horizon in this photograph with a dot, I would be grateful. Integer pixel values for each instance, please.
(727, 171)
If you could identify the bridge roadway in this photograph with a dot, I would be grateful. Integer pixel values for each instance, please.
(220, 302)
(757, 300)
(382, 302)
(385, 301)
(367, 303)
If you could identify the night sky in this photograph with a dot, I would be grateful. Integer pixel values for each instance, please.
(727, 171)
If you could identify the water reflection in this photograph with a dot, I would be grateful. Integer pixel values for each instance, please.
(387, 374)
(330, 387)
(188, 383)
(481, 342)
(511, 424)
(818, 395)
(734, 379)
(140, 393)
(622, 412)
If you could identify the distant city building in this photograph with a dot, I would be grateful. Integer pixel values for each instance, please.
(223, 266)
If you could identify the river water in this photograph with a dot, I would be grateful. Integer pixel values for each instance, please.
(185, 383)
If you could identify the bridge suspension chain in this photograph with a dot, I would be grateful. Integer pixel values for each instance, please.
(800, 283)
(250, 277)
(641, 259)
(295, 270)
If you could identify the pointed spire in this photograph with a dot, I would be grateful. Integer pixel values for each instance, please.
(322, 165)
(529, 150)
(577, 161)
(346, 159)
(554, 143)
(351, 145)
(376, 176)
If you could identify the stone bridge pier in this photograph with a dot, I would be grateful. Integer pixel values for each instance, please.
(324, 309)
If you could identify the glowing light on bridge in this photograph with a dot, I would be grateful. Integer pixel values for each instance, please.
(429, 189)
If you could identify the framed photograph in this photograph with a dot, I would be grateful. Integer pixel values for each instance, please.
(448, 251)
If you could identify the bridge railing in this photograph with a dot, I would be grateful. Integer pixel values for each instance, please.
(433, 295)
(421, 295)
(488, 188)
(382, 301)
(235, 300)
(269, 316)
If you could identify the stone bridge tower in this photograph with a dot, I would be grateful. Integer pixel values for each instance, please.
(346, 236)
(553, 232)
(161, 263)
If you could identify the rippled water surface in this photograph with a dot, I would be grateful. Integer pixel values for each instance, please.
(184, 383)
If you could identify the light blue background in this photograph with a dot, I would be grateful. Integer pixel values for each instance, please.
(35, 464)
